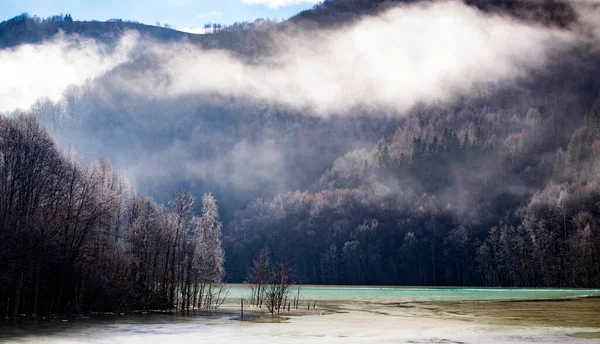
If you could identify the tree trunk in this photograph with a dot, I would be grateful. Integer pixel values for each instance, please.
(6, 317)
(18, 297)
(37, 284)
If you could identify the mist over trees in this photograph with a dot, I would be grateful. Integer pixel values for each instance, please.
(496, 187)
(452, 210)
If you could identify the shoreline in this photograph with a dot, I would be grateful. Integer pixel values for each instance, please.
(436, 308)
(421, 322)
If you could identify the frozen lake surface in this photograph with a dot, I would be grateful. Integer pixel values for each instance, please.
(353, 315)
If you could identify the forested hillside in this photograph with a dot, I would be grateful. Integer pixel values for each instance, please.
(338, 12)
(363, 142)
(24, 29)
(247, 38)
(450, 209)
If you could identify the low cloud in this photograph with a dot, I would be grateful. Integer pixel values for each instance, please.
(385, 64)
(194, 30)
(410, 54)
(32, 71)
(247, 165)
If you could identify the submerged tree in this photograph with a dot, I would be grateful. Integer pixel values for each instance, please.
(279, 286)
(258, 277)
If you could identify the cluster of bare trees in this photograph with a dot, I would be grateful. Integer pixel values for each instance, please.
(177, 255)
(279, 287)
(77, 238)
(556, 241)
(269, 284)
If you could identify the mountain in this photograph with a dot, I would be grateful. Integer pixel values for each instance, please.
(364, 142)
(331, 13)
(25, 29)
(337, 12)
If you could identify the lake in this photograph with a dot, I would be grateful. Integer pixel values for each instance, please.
(351, 315)
(383, 294)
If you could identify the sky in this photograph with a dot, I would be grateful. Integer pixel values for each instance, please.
(177, 13)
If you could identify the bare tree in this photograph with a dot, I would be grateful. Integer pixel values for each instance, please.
(279, 287)
(258, 277)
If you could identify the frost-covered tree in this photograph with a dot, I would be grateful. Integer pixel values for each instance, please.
(211, 251)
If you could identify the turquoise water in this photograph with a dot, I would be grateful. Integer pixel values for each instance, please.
(418, 294)
(383, 322)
